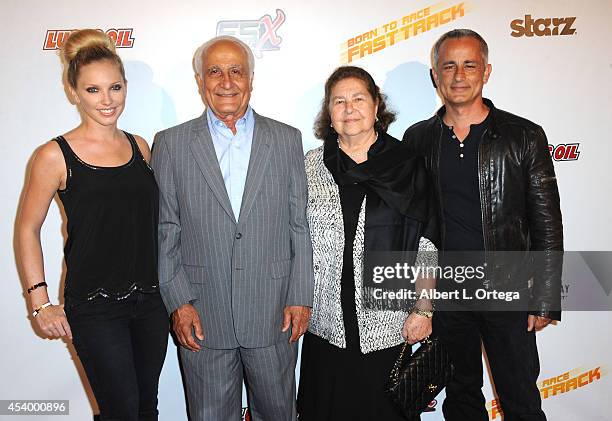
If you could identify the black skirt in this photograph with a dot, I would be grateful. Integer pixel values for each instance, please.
(339, 384)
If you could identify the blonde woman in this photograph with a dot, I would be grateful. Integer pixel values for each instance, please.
(112, 308)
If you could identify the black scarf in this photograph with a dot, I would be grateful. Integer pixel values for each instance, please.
(390, 172)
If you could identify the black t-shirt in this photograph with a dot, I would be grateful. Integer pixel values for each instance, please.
(459, 188)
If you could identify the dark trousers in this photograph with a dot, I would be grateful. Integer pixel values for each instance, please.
(513, 359)
(122, 345)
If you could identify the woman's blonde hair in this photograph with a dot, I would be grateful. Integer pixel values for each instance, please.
(86, 46)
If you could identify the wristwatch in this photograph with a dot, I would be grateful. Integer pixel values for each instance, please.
(426, 313)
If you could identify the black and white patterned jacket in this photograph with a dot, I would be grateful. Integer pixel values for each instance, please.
(378, 329)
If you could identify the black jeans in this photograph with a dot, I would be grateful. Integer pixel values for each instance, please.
(122, 345)
(513, 359)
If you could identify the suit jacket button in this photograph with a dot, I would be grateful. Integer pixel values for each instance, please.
(238, 236)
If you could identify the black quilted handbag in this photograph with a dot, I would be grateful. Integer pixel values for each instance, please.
(416, 379)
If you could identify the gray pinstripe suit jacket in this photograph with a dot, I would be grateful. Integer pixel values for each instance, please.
(241, 274)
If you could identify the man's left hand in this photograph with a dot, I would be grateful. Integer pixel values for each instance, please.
(537, 322)
(297, 318)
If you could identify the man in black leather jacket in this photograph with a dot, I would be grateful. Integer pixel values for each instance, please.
(497, 191)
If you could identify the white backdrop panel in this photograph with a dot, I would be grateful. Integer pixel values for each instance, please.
(562, 82)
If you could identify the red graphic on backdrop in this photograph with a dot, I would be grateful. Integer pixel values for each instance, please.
(55, 38)
(564, 151)
(246, 415)
(431, 407)
(271, 27)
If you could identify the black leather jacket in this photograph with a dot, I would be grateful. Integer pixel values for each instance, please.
(519, 198)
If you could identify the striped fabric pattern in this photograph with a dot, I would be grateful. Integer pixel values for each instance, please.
(241, 274)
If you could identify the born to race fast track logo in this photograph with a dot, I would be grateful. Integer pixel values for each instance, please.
(258, 34)
(543, 27)
(564, 151)
(55, 38)
(557, 385)
(401, 29)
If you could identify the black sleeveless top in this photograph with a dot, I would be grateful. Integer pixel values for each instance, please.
(112, 214)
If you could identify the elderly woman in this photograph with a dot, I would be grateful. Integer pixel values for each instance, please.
(365, 195)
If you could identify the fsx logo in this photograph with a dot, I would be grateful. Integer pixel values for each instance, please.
(258, 34)
(55, 38)
(543, 27)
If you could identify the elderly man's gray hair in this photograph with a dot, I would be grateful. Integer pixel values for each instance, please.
(202, 49)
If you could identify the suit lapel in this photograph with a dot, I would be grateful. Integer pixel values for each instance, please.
(260, 151)
(204, 154)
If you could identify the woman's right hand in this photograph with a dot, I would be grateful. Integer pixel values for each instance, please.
(416, 328)
(53, 323)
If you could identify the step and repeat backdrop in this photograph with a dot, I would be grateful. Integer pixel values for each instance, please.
(552, 63)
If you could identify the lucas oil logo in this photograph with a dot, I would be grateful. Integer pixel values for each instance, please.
(55, 38)
(258, 34)
(564, 151)
(543, 27)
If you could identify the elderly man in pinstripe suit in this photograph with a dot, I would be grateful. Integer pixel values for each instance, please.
(235, 262)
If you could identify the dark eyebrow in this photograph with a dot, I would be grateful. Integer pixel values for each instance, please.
(93, 85)
(356, 94)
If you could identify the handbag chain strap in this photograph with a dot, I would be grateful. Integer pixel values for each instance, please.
(400, 359)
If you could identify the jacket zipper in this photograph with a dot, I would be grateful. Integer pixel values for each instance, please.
(441, 211)
(483, 207)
